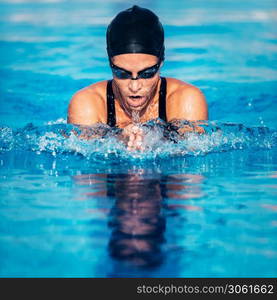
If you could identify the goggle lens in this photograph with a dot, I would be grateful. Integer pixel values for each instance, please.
(144, 74)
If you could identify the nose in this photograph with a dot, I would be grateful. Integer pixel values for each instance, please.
(135, 85)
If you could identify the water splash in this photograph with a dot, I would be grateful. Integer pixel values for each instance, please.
(135, 116)
(161, 140)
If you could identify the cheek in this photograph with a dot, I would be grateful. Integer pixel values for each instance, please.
(151, 84)
(122, 86)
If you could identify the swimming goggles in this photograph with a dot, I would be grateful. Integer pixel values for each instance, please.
(143, 74)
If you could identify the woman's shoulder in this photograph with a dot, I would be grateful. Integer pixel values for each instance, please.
(97, 89)
(178, 86)
(185, 101)
(88, 105)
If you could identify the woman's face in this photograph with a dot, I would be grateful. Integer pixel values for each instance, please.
(135, 94)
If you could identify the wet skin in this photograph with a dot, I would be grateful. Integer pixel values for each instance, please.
(183, 101)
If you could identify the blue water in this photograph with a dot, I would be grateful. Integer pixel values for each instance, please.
(204, 206)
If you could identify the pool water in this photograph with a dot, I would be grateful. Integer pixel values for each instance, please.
(203, 206)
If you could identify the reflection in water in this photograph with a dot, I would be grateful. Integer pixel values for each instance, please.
(136, 219)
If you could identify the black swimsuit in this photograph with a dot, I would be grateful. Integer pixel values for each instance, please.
(111, 119)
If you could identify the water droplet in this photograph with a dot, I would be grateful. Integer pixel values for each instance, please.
(135, 116)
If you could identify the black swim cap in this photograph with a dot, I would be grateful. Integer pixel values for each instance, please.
(135, 30)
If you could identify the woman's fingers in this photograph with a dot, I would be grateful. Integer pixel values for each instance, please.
(135, 137)
(138, 138)
(135, 143)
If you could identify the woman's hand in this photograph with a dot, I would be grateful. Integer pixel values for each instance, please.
(133, 136)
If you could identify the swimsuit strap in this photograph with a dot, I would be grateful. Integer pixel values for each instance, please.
(111, 118)
(162, 99)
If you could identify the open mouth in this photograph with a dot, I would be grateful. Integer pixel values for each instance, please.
(136, 100)
(135, 97)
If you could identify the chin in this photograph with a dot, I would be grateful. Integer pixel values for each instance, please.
(139, 107)
(136, 108)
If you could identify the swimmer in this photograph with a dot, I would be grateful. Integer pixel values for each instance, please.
(137, 93)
